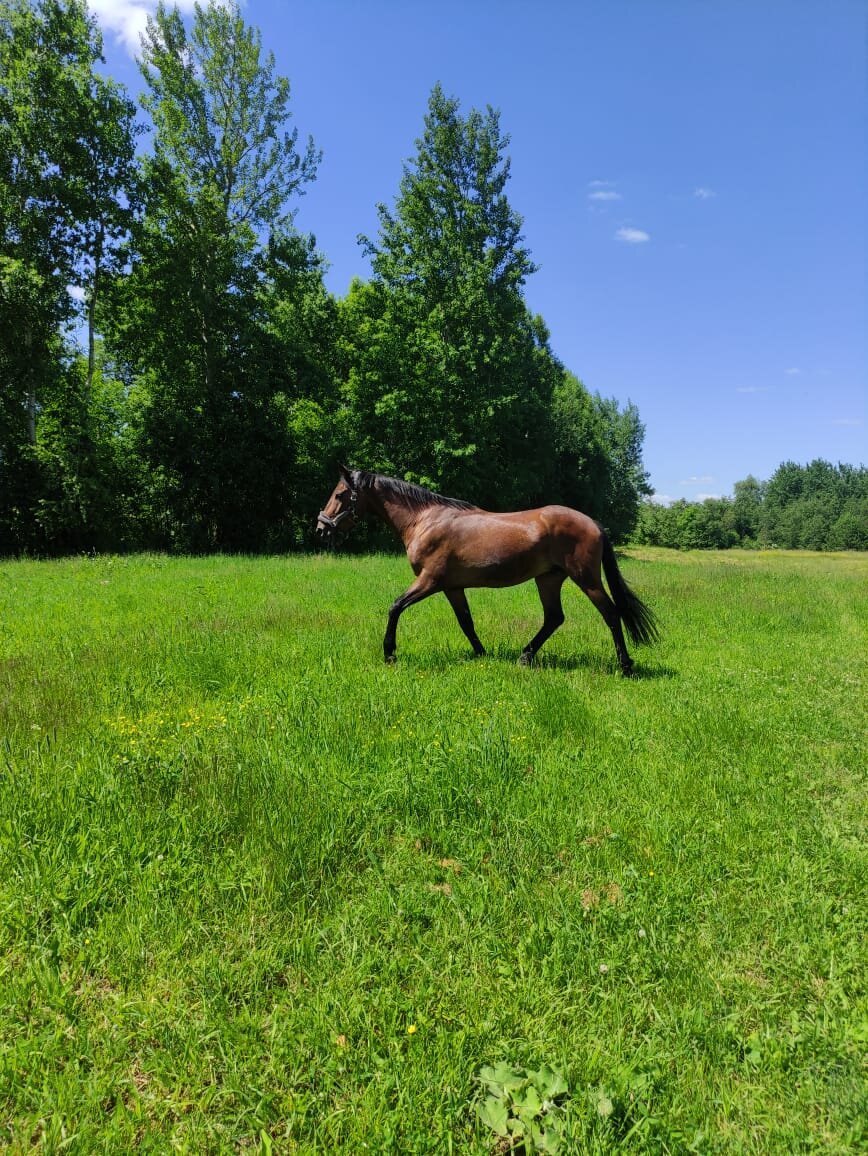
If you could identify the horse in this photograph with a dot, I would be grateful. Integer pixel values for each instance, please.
(453, 546)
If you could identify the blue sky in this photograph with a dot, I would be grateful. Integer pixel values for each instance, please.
(692, 178)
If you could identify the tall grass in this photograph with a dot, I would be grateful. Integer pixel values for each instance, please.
(259, 891)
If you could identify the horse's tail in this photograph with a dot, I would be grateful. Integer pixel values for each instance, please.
(639, 620)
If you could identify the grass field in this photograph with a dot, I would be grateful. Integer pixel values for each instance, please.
(259, 892)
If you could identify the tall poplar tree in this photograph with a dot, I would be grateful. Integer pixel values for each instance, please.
(215, 240)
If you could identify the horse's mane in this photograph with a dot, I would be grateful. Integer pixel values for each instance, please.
(416, 497)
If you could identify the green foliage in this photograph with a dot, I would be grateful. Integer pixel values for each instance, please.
(813, 507)
(66, 164)
(450, 377)
(221, 382)
(223, 309)
(598, 460)
(521, 1106)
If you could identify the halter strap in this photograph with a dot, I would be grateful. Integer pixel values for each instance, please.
(349, 512)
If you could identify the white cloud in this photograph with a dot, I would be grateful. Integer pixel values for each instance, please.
(632, 236)
(661, 500)
(604, 195)
(127, 19)
(705, 497)
(793, 371)
(751, 389)
(697, 480)
(848, 421)
(76, 292)
(703, 193)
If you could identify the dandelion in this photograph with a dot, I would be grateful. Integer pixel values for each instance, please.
(411, 1029)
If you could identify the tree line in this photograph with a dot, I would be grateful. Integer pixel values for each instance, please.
(174, 373)
(814, 507)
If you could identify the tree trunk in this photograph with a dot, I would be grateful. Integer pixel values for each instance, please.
(30, 396)
(91, 313)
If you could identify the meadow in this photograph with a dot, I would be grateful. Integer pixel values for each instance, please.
(259, 892)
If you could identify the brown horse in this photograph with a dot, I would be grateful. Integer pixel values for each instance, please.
(453, 545)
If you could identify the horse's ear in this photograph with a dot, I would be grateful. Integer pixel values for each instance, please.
(346, 474)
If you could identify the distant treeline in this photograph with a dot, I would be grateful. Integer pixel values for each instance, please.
(813, 507)
(174, 373)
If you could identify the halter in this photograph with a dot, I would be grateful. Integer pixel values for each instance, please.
(349, 512)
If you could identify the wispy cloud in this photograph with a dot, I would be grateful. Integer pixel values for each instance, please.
(661, 499)
(703, 193)
(751, 389)
(601, 194)
(697, 480)
(793, 371)
(126, 20)
(705, 497)
(632, 236)
(847, 421)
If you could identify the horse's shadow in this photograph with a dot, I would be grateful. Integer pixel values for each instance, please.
(588, 662)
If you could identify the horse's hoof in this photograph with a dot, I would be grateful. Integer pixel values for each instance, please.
(525, 658)
(390, 660)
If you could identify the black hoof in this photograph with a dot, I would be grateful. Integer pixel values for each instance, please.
(525, 658)
(390, 659)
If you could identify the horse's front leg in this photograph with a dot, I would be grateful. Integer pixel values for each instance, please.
(423, 587)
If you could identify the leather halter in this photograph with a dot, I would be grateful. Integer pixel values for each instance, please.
(349, 512)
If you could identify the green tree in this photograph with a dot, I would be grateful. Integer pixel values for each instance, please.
(449, 377)
(814, 507)
(747, 508)
(66, 174)
(213, 252)
(598, 456)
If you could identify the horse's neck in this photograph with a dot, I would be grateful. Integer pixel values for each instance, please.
(395, 512)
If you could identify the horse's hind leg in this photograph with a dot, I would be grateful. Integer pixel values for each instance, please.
(458, 602)
(607, 608)
(549, 587)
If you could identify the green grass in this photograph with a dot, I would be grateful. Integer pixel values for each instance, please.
(260, 892)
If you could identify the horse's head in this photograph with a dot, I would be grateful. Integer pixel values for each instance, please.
(341, 510)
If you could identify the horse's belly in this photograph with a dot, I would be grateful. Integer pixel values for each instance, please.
(498, 571)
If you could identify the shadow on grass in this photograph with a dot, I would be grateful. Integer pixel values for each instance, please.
(509, 656)
(593, 664)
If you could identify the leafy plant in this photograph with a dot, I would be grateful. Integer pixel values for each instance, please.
(522, 1106)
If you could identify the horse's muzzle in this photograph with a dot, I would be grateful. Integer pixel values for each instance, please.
(329, 530)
